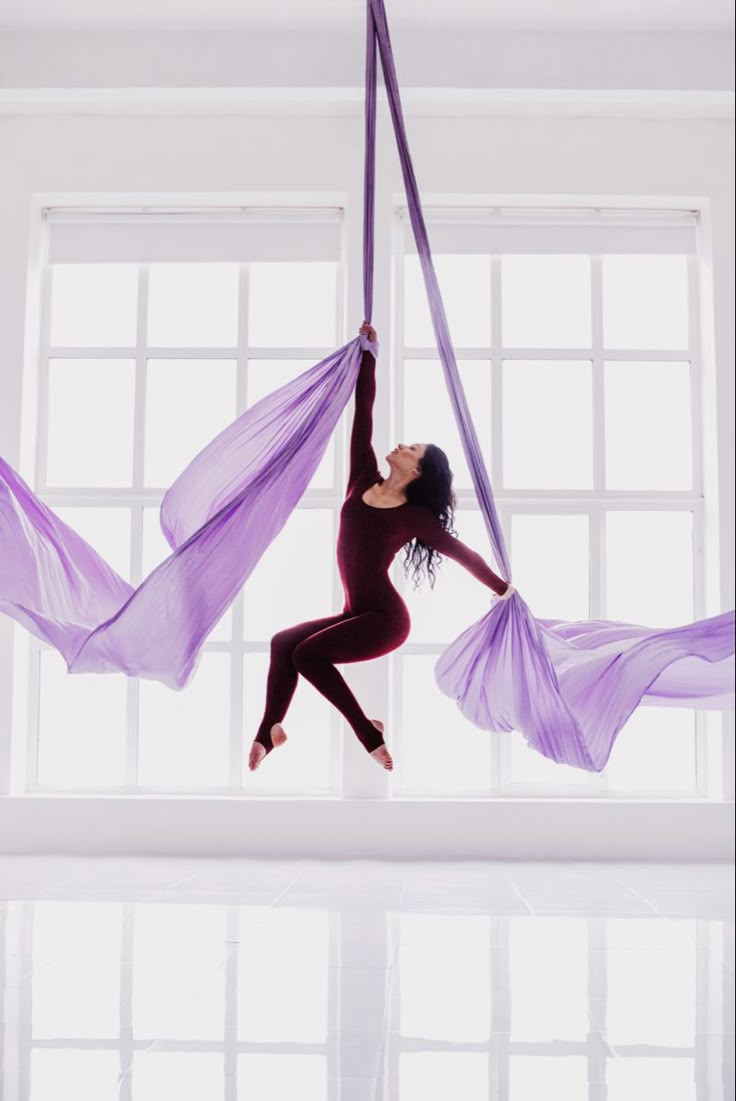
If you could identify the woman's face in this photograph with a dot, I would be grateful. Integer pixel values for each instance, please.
(406, 458)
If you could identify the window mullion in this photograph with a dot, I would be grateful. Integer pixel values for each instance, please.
(703, 724)
(499, 745)
(237, 733)
(126, 1023)
(139, 426)
(44, 382)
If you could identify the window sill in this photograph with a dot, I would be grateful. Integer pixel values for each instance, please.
(334, 828)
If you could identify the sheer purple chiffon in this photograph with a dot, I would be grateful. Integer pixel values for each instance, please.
(567, 687)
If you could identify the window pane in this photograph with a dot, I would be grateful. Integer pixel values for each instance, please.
(649, 568)
(105, 529)
(300, 566)
(425, 1074)
(81, 733)
(178, 973)
(551, 560)
(83, 1075)
(156, 550)
(645, 302)
(188, 403)
(465, 283)
(275, 1077)
(546, 301)
(76, 970)
(184, 736)
(90, 441)
(193, 305)
(547, 425)
(428, 723)
(184, 1075)
(556, 1009)
(283, 987)
(651, 982)
(548, 1076)
(310, 724)
(457, 599)
(93, 305)
(648, 426)
(292, 305)
(428, 415)
(655, 751)
(651, 1076)
(444, 964)
(267, 375)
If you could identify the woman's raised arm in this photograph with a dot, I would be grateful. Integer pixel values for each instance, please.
(363, 464)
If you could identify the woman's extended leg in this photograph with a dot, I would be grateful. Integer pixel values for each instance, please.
(356, 638)
(282, 675)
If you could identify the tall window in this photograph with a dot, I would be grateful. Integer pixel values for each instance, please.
(577, 343)
(162, 1000)
(469, 1017)
(153, 1000)
(158, 332)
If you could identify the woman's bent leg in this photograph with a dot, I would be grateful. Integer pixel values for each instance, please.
(357, 638)
(282, 674)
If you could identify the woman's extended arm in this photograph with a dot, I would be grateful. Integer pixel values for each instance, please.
(363, 464)
(431, 532)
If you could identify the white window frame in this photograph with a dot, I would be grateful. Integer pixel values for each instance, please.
(594, 232)
(350, 779)
(18, 941)
(500, 1046)
(100, 235)
(707, 1051)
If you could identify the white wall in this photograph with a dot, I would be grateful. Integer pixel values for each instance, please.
(439, 57)
(486, 154)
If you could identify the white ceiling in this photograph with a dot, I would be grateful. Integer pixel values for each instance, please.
(183, 14)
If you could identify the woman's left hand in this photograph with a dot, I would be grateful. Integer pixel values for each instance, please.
(509, 592)
(366, 329)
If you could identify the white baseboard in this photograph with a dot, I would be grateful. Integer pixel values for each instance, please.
(500, 829)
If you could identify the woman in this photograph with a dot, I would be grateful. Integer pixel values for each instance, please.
(379, 517)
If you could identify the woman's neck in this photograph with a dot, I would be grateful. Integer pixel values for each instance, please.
(393, 486)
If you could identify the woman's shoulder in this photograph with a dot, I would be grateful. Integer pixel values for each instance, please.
(422, 516)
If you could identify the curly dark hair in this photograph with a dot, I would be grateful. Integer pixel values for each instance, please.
(433, 489)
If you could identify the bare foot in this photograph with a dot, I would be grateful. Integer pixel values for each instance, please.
(258, 751)
(381, 754)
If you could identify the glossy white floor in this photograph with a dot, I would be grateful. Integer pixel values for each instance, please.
(164, 980)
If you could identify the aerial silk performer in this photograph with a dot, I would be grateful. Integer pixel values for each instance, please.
(379, 516)
(568, 688)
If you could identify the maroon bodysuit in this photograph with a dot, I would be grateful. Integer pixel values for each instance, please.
(375, 619)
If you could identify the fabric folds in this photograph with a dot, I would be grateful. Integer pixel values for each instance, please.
(567, 687)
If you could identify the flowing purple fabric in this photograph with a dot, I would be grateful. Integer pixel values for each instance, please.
(567, 687)
(219, 516)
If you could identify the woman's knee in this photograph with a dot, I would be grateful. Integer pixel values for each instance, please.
(303, 655)
(282, 642)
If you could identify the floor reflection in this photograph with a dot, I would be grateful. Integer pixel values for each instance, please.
(363, 981)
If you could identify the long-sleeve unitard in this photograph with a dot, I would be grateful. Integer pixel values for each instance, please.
(375, 619)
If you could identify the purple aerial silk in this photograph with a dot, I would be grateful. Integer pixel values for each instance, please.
(219, 516)
(567, 687)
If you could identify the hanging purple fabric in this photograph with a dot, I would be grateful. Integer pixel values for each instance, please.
(219, 516)
(568, 688)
